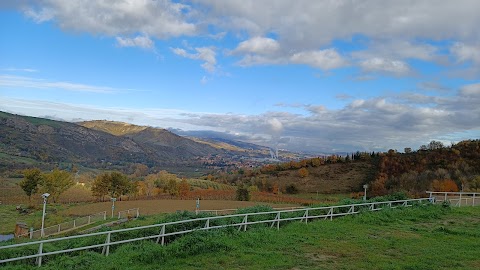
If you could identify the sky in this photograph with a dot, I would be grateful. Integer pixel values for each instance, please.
(312, 76)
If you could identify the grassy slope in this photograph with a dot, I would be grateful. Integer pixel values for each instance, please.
(428, 238)
(329, 178)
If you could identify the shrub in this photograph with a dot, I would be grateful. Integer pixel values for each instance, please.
(291, 189)
(243, 194)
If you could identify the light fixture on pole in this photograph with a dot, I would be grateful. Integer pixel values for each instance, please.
(365, 192)
(113, 204)
(44, 196)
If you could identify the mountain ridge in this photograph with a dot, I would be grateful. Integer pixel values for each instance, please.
(27, 141)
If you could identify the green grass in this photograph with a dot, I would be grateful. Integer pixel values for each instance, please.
(9, 216)
(325, 198)
(428, 237)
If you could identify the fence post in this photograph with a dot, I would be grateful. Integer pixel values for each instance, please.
(104, 215)
(106, 249)
(58, 227)
(138, 212)
(276, 220)
(244, 223)
(305, 216)
(473, 201)
(207, 224)
(74, 223)
(445, 197)
(161, 235)
(88, 219)
(460, 201)
(40, 251)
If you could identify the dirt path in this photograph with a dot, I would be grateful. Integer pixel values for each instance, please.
(149, 207)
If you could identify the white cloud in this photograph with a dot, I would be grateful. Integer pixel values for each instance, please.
(464, 52)
(28, 82)
(30, 70)
(39, 16)
(139, 41)
(160, 19)
(433, 86)
(471, 90)
(323, 59)
(383, 65)
(390, 32)
(258, 45)
(206, 54)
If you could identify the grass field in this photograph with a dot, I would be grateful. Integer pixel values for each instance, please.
(429, 237)
(58, 213)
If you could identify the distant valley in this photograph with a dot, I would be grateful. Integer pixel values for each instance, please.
(31, 141)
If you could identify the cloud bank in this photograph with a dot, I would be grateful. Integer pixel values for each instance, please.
(374, 124)
(391, 33)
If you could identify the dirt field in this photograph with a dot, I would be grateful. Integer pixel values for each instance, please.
(148, 207)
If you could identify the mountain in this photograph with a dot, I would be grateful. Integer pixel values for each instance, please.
(30, 141)
(161, 141)
(25, 140)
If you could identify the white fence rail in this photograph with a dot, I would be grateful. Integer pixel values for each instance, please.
(130, 213)
(456, 198)
(66, 226)
(160, 232)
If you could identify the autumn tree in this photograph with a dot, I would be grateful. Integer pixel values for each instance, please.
(140, 170)
(114, 184)
(275, 188)
(378, 186)
(303, 172)
(29, 184)
(172, 187)
(56, 182)
(183, 188)
(163, 178)
(433, 145)
(243, 194)
(446, 185)
(475, 183)
(100, 187)
(150, 184)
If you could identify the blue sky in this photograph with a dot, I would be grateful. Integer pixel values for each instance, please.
(321, 76)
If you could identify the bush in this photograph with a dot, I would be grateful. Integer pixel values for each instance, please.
(291, 189)
(243, 194)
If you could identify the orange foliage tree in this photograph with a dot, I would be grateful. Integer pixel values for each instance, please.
(446, 185)
(378, 186)
(303, 172)
(183, 188)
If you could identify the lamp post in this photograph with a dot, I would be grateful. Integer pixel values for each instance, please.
(44, 196)
(113, 204)
(365, 192)
(198, 206)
